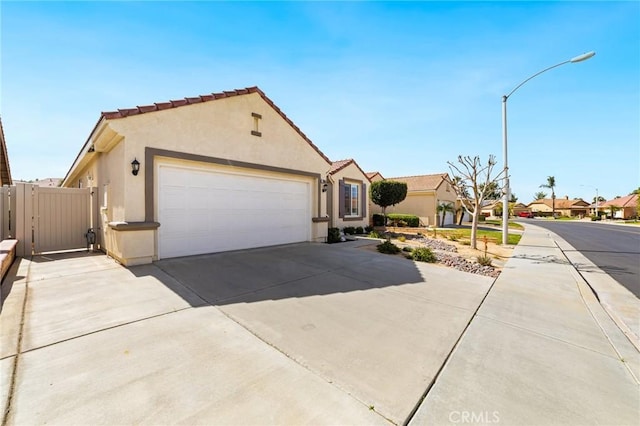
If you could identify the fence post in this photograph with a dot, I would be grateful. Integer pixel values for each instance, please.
(24, 219)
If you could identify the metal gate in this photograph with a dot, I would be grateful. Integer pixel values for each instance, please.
(45, 219)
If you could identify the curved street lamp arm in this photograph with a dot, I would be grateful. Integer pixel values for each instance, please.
(535, 75)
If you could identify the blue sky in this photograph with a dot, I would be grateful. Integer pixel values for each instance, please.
(401, 87)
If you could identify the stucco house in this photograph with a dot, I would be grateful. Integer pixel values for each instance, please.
(424, 194)
(349, 189)
(217, 172)
(563, 206)
(623, 207)
(493, 208)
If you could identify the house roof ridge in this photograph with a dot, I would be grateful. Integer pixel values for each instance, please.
(158, 106)
(174, 103)
(413, 176)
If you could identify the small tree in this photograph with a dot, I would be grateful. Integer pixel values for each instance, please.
(385, 193)
(445, 208)
(551, 184)
(472, 186)
(539, 196)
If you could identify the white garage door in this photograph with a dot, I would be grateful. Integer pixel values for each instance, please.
(206, 212)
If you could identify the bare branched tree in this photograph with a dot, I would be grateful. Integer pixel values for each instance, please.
(472, 183)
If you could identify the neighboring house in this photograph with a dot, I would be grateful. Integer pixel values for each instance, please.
(373, 177)
(519, 208)
(5, 170)
(623, 207)
(491, 208)
(424, 194)
(349, 189)
(564, 207)
(217, 172)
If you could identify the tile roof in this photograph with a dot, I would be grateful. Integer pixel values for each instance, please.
(561, 203)
(371, 175)
(336, 166)
(160, 106)
(422, 182)
(627, 201)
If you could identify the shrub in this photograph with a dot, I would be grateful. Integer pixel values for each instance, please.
(349, 230)
(388, 248)
(484, 260)
(378, 220)
(374, 234)
(359, 230)
(404, 219)
(407, 249)
(402, 238)
(333, 236)
(454, 236)
(423, 254)
(368, 229)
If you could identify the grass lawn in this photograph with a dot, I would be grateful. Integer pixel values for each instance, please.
(494, 236)
(513, 225)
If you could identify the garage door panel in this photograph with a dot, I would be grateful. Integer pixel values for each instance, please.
(209, 211)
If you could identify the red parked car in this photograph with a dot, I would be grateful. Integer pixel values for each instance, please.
(528, 215)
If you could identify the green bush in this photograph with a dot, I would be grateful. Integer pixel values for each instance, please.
(423, 254)
(378, 220)
(333, 236)
(375, 234)
(404, 219)
(407, 249)
(484, 260)
(388, 248)
(359, 230)
(349, 230)
(368, 229)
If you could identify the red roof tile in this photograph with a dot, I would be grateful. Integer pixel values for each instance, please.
(626, 201)
(127, 112)
(336, 166)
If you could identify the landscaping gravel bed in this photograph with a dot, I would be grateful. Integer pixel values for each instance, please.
(462, 264)
(436, 244)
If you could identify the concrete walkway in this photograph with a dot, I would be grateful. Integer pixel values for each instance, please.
(541, 350)
(300, 334)
(313, 334)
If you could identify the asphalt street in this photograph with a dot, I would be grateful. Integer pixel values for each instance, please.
(614, 249)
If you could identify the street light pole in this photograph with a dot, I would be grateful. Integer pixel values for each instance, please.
(506, 190)
(597, 196)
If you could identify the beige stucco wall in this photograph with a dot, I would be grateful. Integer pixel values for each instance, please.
(219, 129)
(351, 174)
(424, 204)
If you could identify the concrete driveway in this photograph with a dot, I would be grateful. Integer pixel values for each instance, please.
(305, 333)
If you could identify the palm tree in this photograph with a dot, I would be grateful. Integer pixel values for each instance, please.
(539, 196)
(551, 184)
(444, 208)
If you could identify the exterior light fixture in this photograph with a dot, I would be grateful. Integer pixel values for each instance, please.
(324, 185)
(507, 190)
(135, 167)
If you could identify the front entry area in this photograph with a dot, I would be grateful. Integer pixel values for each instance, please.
(203, 210)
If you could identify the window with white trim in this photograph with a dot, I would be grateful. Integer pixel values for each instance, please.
(351, 199)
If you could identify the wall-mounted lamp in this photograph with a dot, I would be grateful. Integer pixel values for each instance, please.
(135, 167)
(325, 185)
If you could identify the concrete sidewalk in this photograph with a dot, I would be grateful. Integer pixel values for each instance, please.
(315, 334)
(541, 350)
